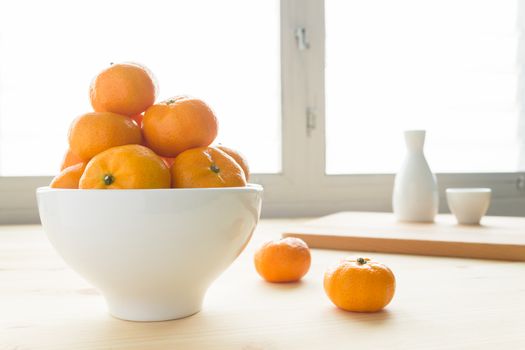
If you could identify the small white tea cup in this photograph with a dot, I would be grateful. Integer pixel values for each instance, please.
(469, 205)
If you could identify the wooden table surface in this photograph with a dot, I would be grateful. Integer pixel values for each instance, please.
(440, 303)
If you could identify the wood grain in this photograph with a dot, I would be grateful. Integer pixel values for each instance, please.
(498, 238)
(440, 303)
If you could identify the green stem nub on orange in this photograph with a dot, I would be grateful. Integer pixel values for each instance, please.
(361, 261)
(215, 168)
(108, 179)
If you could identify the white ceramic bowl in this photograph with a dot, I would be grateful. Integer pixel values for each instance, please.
(151, 253)
(469, 205)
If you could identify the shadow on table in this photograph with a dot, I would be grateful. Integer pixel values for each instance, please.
(371, 318)
(283, 286)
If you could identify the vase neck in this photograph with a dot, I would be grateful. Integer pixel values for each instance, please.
(415, 140)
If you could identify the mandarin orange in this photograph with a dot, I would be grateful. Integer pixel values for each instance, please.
(239, 158)
(69, 177)
(69, 159)
(206, 167)
(125, 88)
(126, 167)
(178, 124)
(360, 285)
(95, 132)
(283, 260)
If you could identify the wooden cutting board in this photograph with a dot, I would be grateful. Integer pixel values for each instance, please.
(500, 238)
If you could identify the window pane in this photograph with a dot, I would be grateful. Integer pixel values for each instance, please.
(447, 66)
(224, 52)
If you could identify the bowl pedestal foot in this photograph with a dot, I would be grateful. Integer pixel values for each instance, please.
(154, 309)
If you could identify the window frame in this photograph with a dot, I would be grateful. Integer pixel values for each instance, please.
(303, 188)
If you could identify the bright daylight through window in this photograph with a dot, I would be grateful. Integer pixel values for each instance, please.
(48, 60)
(450, 67)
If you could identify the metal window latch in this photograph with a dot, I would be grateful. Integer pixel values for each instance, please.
(311, 121)
(300, 37)
(520, 183)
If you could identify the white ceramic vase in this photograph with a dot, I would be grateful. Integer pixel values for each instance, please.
(415, 196)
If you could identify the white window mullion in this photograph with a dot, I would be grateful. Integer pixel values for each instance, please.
(315, 109)
(302, 57)
(303, 90)
(295, 79)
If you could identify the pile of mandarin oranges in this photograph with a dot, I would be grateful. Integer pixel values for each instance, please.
(130, 141)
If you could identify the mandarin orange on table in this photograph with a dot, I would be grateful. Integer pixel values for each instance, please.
(239, 158)
(206, 167)
(360, 285)
(69, 177)
(125, 88)
(126, 167)
(178, 124)
(283, 260)
(95, 132)
(69, 159)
